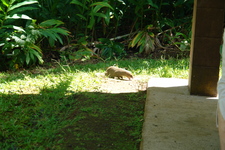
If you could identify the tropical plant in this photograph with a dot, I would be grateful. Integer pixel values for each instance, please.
(23, 36)
(181, 41)
(51, 30)
(144, 40)
(55, 9)
(19, 34)
(76, 51)
(93, 14)
(110, 49)
(17, 46)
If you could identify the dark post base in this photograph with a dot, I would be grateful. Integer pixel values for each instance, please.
(207, 31)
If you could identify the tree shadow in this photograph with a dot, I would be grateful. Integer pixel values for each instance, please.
(60, 119)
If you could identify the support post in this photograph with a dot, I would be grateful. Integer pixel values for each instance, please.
(207, 31)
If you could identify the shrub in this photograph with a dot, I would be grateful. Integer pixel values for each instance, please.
(110, 49)
(20, 35)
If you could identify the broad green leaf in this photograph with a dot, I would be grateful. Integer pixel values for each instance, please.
(5, 2)
(38, 55)
(178, 3)
(107, 19)
(27, 58)
(97, 8)
(81, 16)
(32, 55)
(151, 34)
(79, 3)
(2, 11)
(100, 15)
(53, 34)
(169, 22)
(17, 52)
(18, 40)
(141, 49)
(104, 40)
(142, 40)
(17, 28)
(51, 42)
(12, 2)
(150, 2)
(136, 39)
(92, 22)
(22, 4)
(47, 33)
(99, 5)
(19, 16)
(57, 37)
(61, 31)
(51, 22)
(36, 48)
(2, 17)
(1, 44)
(179, 33)
(82, 39)
(20, 10)
(14, 27)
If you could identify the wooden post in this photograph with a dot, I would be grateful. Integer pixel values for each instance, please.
(207, 31)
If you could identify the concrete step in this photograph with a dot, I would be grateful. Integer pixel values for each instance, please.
(176, 120)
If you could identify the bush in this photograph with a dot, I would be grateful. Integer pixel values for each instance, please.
(20, 35)
(110, 49)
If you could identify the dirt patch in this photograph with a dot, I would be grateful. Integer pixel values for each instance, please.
(123, 86)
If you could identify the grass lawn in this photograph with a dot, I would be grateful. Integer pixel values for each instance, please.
(63, 107)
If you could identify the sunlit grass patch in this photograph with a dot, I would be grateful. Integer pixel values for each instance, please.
(53, 108)
(85, 78)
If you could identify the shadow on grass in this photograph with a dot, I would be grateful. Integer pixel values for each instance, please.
(61, 119)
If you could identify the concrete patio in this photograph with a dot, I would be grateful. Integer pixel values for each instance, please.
(176, 120)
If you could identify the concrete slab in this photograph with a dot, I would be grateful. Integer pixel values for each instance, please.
(176, 120)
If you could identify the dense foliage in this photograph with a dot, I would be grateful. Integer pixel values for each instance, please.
(75, 28)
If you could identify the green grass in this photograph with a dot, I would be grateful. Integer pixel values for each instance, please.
(62, 107)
